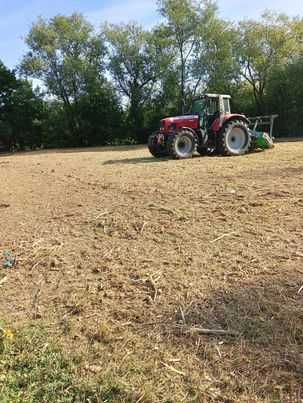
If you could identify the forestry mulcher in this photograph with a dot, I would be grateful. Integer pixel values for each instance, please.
(209, 129)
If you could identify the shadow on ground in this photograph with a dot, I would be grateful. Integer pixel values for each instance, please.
(262, 357)
(144, 160)
(267, 314)
(135, 161)
(75, 150)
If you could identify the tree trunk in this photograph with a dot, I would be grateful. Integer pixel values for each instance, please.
(182, 89)
(136, 118)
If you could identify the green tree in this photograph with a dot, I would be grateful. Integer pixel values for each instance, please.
(24, 114)
(8, 84)
(102, 115)
(261, 46)
(20, 111)
(163, 99)
(214, 68)
(191, 26)
(67, 55)
(181, 22)
(134, 64)
(284, 96)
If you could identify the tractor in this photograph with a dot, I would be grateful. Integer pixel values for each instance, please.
(210, 128)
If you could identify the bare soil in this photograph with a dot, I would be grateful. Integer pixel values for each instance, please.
(122, 257)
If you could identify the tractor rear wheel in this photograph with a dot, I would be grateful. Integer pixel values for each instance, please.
(234, 139)
(156, 149)
(181, 145)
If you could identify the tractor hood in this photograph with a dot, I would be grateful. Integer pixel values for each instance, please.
(177, 122)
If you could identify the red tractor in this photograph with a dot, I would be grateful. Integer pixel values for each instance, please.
(210, 128)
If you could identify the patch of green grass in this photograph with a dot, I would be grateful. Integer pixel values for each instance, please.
(34, 370)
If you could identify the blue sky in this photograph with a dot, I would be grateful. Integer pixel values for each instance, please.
(16, 16)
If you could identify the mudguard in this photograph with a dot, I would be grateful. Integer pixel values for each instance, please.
(220, 121)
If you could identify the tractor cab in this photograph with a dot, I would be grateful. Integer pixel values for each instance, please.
(209, 107)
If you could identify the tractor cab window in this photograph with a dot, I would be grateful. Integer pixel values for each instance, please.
(212, 106)
(226, 105)
(213, 111)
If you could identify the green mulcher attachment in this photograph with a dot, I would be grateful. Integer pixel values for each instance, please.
(262, 140)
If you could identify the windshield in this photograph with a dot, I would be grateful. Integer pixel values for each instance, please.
(198, 106)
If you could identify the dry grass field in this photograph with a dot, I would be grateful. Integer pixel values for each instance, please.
(125, 261)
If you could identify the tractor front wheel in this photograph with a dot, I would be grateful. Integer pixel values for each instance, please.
(181, 145)
(156, 149)
(234, 139)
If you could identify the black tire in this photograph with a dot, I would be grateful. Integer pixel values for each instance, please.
(156, 149)
(181, 145)
(234, 139)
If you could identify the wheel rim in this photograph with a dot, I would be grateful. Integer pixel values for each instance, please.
(184, 145)
(236, 140)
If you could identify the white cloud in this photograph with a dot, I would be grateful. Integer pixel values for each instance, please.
(143, 11)
(238, 9)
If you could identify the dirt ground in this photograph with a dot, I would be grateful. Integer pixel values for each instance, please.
(125, 258)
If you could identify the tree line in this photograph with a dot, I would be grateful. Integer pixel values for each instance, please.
(114, 84)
